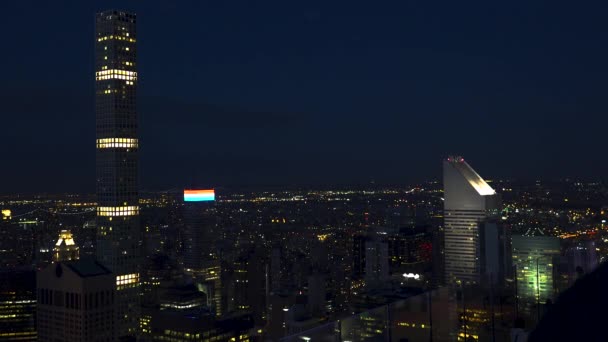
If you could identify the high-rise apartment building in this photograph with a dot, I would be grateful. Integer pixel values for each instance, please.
(468, 201)
(118, 231)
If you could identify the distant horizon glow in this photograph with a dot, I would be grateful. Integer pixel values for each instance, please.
(199, 195)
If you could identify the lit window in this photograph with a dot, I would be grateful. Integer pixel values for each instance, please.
(127, 38)
(116, 74)
(127, 279)
(117, 142)
(118, 211)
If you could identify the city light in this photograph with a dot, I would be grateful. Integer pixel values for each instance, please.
(116, 74)
(127, 279)
(199, 195)
(118, 211)
(117, 143)
(411, 276)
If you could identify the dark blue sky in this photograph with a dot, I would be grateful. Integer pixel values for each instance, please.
(307, 92)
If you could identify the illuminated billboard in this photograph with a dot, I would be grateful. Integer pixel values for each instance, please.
(199, 195)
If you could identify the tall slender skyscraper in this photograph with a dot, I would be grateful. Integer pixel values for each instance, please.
(468, 201)
(118, 231)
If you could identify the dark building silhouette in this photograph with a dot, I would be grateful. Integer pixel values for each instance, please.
(18, 305)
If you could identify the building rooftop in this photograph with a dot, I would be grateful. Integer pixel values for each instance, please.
(474, 179)
(87, 267)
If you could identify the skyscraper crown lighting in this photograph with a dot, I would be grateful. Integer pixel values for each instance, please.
(474, 179)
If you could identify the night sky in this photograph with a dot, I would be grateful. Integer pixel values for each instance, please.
(312, 92)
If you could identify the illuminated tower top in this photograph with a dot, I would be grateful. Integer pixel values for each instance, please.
(65, 249)
(464, 188)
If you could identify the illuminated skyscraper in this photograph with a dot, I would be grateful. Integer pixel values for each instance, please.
(118, 231)
(199, 228)
(199, 252)
(468, 201)
(533, 257)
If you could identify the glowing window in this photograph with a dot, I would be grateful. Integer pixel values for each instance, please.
(127, 279)
(117, 37)
(117, 142)
(116, 74)
(118, 211)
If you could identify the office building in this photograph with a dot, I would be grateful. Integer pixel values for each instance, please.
(410, 250)
(533, 258)
(118, 231)
(238, 285)
(65, 249)
(177, 326)
(468, 201)
(358, 256)
(183, 298)
(200, 228)
(76, 301)
(199, 237)
(18, 305)
(495, 260)
(582, 258)
(578, 259)
(376, 262)
(209, 281)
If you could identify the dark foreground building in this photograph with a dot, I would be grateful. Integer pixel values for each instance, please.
(17, 305)
(76, 301)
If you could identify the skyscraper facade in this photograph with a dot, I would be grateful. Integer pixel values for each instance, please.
(533, 257)
(76, 302)
(18, 305)
(468, 201)
(495, 259)
(200, 234)
(118, 231)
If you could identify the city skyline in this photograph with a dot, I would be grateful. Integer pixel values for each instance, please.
(276, 222)
(253, 111)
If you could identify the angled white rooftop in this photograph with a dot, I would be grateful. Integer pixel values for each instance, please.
(474, 179)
